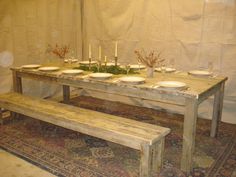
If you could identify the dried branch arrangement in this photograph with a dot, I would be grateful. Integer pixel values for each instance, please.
(150, 60)
(59, 51)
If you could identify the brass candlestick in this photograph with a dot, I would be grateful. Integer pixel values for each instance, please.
(116, 59)
(105, 64)
(99, 65)
(90, 64)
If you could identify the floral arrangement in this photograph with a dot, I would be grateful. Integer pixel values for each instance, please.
(150, 60)
(59, 51)
(109, 69)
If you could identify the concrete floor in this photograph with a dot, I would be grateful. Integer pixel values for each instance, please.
(12, 166)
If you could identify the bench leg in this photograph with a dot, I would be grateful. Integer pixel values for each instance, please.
(5, 116)
(146, 160)
(1, 116)
(157, 155)
(151, 158)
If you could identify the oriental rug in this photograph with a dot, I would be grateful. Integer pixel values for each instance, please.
(67, 153)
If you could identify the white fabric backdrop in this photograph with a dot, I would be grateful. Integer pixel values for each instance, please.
(192, 32)
(26, 29)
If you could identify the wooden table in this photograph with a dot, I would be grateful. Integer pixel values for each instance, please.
(199, 90)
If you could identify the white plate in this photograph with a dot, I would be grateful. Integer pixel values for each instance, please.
(100, 75)
(171, 84)
(137, 66)
(87, 62)
(32, 66)
(49, 68)
(111, 64)
(72, 71)
(168, 70)
(132, 79)
(72, 61)
(200, 73)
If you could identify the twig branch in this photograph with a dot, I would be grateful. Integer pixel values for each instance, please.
(149, 60)
(58, 51)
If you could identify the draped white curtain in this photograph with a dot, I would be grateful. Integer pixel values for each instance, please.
(26, 29)
(192, 32)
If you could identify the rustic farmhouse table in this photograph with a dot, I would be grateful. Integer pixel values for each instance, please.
(146, 94)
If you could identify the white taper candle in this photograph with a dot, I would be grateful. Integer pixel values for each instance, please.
(99, 52)
(105, 59)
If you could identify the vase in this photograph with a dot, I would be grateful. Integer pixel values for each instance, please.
(150, 72)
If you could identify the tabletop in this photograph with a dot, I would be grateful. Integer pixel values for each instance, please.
(196, 86)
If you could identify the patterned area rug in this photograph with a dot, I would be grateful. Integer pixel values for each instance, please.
(67, 153)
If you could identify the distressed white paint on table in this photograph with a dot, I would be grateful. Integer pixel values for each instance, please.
(199, 90)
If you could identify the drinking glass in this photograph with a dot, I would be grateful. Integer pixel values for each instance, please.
(210, 66)
(163, 68)
(70, 58)
(139, 65)
(72, 54)
(127, 67)
(172, 63)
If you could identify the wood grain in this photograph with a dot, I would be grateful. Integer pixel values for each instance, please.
(199, 89)
(138, 135)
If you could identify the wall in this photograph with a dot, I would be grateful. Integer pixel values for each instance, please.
(26, 29)
(192, 32)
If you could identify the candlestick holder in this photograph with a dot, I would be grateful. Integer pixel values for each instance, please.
(105, 64)
(99, 65)
(90, 59)
(116, 60)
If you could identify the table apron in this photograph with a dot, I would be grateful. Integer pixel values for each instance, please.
(126, 91)
(209, 92)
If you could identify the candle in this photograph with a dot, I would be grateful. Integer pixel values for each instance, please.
(105, 59)
(90, 51)
(116, 48)
(99, 52)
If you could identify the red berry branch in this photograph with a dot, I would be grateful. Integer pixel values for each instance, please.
(149, 60)
(59, 51)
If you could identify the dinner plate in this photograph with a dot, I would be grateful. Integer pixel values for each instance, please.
(171, 84)
(137, 66)
(200, 73)
(72, 71)
(132, 79)
(72, 61)
(87, 62)
(31, 66)
(167, 70)
(100, 75)
(49, 68)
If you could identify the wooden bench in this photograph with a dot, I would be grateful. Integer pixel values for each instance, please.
(147, 138)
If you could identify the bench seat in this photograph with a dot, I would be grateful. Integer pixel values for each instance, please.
(147, 138)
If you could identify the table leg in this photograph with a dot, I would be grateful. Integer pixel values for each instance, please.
(17, 87)
(66, 93)
(146, 160)
(217, 110)
(190, 120)
(17, 82)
